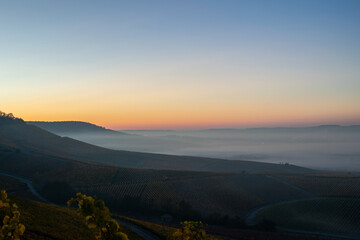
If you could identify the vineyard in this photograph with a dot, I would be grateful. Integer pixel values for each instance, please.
(330, 185)
(179, 193)
(227, 194)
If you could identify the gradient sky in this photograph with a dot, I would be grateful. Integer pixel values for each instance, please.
(181, 64)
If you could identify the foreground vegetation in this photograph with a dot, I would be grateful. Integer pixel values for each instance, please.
(97, 217)
(11, 228)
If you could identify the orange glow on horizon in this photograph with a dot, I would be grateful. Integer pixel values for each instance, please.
(191, 119)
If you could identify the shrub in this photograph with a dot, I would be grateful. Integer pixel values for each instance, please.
(190, 230)
(11, 229)
(97, 216)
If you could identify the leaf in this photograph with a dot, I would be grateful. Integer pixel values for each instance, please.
(6, 220)
(91, 225)
(21, 229)
(3, 195)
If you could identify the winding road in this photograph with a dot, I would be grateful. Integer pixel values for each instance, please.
(251, 215)
(142, 232)
(29, 184)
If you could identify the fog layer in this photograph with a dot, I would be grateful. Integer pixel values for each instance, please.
(324, 147)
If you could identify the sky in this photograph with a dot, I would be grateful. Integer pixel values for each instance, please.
(181, 64)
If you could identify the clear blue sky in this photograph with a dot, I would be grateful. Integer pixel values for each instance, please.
(140, 64)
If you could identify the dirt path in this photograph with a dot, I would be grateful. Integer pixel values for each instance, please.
(250, 216)
(29, 184)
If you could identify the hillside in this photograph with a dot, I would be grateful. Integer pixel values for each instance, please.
(29, 138)
(49, 222)
(75, 127)
(44, 221)
(145, 191)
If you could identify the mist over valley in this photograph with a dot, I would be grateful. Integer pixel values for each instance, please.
(328, 147)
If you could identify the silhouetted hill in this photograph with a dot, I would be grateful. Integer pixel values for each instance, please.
(74, 127)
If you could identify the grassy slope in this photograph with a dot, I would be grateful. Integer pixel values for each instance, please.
(334, 215)
(44, 221)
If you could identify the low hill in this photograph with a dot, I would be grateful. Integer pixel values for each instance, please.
(29, 138)
(74, 127)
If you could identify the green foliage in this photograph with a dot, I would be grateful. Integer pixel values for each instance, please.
(11, 229)
(191, 231)
(97, 216)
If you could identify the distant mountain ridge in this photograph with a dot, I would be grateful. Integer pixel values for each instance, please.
(63, 127)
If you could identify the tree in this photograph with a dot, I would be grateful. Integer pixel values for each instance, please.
(191, 231)
(11, 229)
(97, 216)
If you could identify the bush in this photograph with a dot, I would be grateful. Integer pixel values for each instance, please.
(190, 230)
(97, 216)
(11, 229)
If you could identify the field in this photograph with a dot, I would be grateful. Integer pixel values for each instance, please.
(155, 192)
(327, 185)
(159, 191)
(226, 194)
(328, 215)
